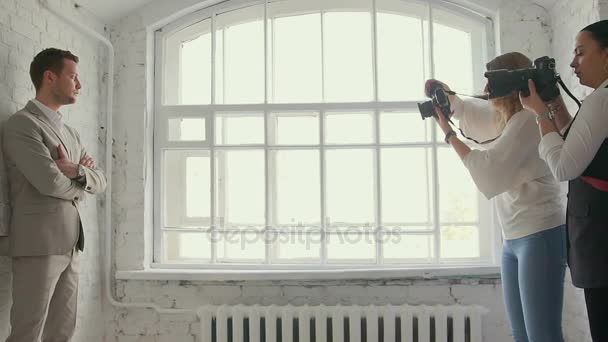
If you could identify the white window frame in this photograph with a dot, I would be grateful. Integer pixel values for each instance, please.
(486, 223)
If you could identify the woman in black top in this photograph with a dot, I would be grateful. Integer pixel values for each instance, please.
(580, 156)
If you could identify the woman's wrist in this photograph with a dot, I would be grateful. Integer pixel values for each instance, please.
(448, 135)
(540, 109)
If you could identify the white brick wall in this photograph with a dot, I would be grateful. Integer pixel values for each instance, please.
(568, 19)
(133, 324)
(25, 29)
(524, 27)
(129, 39)
(20, 36)
(603, 8)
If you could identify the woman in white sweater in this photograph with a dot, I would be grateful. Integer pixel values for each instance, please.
(527, 200)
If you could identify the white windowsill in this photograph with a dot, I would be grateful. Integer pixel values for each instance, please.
(492, 272)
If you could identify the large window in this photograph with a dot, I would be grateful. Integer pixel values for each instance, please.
(287, 133)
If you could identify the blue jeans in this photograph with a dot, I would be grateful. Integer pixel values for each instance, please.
(533, 269)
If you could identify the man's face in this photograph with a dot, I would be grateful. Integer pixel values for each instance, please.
(65, 86)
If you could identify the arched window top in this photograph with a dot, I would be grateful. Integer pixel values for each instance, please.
(320, 51)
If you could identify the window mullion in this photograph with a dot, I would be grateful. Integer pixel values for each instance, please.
(212, 185)
(375, 50)
(322, 147)
(224, 78)
(268, 213)
(272, 61)
(213, 47)
(210, 129)
(378, 166)
(266, 61)
(435, 172)
(322, 15)
(270, 204)
(159, 213)
(323, 188)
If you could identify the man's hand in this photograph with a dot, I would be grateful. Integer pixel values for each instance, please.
(88, 162)
(68, 168)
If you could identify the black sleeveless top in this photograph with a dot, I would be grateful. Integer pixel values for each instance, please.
(587, 224)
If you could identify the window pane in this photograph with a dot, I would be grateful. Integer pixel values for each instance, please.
(349, 128)
(406, 188)
(240, 189)
(239, 129)
(187, 247)
(460, 242)
(297, 247)
(241, 247)
(458, 196)
(294, 128)
(297, 191)
(240, 53)
(187, 129)
(453, 59)
(295, 52)
(350, 189)
(195, 70)
(401, 57)
(186, 185)
(187, 65)
(404, 127)
(197, 186)
(404, 247)
(348, 56)
(351, 247)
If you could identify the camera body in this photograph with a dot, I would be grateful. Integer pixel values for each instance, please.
(504, 82)
(439, 99)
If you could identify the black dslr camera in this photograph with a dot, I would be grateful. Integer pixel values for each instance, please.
(504, 82)
(439, 99)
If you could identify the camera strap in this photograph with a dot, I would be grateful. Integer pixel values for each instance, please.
(467, 137)
(561, 83)
(482, 97)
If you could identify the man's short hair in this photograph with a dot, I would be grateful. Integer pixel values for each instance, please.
(49, 59)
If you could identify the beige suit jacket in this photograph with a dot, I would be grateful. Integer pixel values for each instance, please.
(45, 217)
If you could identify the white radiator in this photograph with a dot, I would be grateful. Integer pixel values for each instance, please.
(404, 323)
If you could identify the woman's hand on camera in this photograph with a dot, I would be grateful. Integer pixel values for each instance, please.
(428, 83)
(533, 102)
(442, 121)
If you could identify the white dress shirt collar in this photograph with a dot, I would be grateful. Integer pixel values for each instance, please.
(54, 117)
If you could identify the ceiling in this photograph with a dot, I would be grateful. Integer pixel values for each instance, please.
(545, 3)
(110, 10)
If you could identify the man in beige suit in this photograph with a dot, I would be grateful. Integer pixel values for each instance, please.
(48, 173)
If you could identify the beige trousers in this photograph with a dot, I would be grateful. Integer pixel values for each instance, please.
(45, 292)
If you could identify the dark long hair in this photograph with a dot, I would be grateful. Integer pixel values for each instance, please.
(599, 32)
